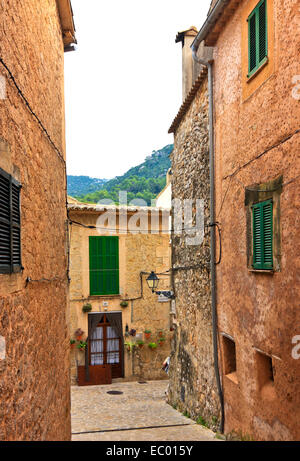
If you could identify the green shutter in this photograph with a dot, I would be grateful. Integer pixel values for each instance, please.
(257, 37)
(104, 265)
(263, 235)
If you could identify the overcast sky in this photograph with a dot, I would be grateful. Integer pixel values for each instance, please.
(123, 83)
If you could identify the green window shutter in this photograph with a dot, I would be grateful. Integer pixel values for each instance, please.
(263, 235)
(257, 37)
(104, 265)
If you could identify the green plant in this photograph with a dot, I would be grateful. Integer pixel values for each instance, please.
(200, 420)
(124, 304)
(214, 420)
(130, 346)
(81, 345)
(72, 342)
(87, 308)
(186, 414)
(140, 343)
(152, 345)
(147, 332)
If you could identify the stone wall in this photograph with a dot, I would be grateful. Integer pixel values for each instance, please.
(192, 380)
(256, 143)
(34, 375)
(137, 252)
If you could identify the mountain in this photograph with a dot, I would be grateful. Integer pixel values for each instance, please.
(82, 185)
(143, 182)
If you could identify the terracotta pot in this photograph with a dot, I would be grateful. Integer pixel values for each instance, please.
(147, 335)
(79, 338)
(141, 346)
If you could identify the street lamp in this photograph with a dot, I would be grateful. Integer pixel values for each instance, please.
(153, 282)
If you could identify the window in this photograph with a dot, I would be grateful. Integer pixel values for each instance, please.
(10, 228)
(265, 375)
(229, 355)
(257, 38)
(104, 266)
(262, 214)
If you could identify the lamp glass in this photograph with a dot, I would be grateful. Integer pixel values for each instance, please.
(153, 281)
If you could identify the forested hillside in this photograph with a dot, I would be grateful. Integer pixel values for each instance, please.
(144, 181)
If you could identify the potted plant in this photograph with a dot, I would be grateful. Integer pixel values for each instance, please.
(152, 346)
(72, 343)
(160, 333)
(130, 346)
(124, 304)
(78, 334)
(87, 308)
(161, 341)
(147, 334)
(140, 343)
(132, 332)
(81, 345)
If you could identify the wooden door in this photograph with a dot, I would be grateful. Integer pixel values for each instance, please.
(105, 348)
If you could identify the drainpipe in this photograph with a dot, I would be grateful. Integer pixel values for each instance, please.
(209, 65)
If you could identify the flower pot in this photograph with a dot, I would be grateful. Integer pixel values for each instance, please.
(79, 338)
(160, 334)
(147, 335)
(141, 346)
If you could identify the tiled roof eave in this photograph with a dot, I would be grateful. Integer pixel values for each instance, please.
(188, 101)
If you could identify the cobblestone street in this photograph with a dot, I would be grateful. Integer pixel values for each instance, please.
(139, 413)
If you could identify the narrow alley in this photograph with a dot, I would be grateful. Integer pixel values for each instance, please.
(140, 412)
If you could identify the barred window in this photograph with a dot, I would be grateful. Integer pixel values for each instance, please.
(10, 224)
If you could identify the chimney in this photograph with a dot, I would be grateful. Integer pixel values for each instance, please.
(188, 72)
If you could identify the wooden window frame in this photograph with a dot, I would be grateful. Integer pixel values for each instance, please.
(262, 264)
(259, 62)
(117, 270)
(258, 193)
(12, 224)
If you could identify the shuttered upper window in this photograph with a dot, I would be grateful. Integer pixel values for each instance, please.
(263, 235)
(104, 265)
(10, 229)
(257, 37)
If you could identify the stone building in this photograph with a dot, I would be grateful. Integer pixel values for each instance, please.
(192, 379)
(34, 343)
(255, 134)
(112, 251)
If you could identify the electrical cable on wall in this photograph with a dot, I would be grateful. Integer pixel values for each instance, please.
(40, 123)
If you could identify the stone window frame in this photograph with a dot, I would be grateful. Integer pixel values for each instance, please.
(257, 193)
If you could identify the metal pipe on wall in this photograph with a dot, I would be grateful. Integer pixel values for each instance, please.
(209, 66)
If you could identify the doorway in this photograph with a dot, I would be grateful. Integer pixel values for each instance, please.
(106, 345)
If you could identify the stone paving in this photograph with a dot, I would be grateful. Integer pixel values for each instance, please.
(140, 413)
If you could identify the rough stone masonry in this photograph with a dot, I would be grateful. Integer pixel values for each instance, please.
(34, 367)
